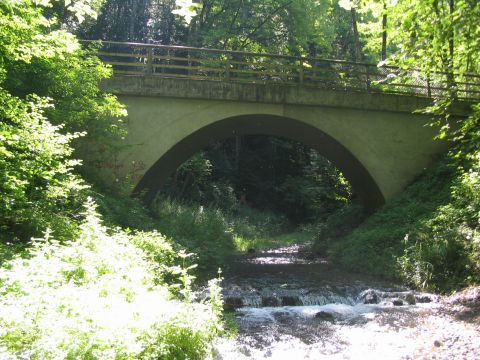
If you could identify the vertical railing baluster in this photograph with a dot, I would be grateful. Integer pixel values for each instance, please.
(429, 89)
(367, 78)
(301, 70)
(149, 60)
(227, 64)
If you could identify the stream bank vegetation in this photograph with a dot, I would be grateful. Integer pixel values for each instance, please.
(428, 236)
(115, 282)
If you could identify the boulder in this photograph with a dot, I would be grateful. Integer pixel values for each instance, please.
(325, 316)
(397, 302)
(369, 296)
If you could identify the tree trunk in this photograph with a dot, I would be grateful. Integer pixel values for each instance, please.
(133, 19)
(451, 51)
(384, 31)
(361, 70)
(358, 45)
(238, 143)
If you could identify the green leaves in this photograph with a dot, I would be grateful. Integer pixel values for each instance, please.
(35, 169)
(49, 98)
(187, 9)
(98, 297)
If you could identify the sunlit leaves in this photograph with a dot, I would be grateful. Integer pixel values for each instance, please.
(96, 298)
(35, 168)
(187, 9)
(49, 96)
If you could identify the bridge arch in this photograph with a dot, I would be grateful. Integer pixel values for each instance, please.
(263, 124)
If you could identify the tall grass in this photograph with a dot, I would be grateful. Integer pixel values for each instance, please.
(214, 234)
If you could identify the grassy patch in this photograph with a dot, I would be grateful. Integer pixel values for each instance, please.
(243, 244)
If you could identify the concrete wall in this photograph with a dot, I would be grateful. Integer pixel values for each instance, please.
(373, 138)
(392, 147)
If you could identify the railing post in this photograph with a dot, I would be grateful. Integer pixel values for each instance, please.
(301, 71)
(314, 69)
(189, 62)
(227, 64)
(367, 77)
(149, 60)
(429, 89)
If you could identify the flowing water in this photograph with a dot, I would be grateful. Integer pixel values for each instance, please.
(291, 307)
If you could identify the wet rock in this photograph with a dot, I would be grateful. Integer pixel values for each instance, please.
(469, 297)
(269, 301)
(325, 316)
(410, 299)
(424, 298)
(245, 351)
(290, 301)
(232, 303)
(369, 296)
(397, 302)
(251, 251)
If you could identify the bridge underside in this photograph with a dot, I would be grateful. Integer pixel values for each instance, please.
(354, 171)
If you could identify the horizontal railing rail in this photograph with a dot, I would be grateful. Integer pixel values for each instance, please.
(136, 59)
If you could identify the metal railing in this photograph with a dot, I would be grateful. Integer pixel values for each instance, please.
(137, 59)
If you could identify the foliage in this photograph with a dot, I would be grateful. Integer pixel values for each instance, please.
(202, 230)
(270, 241)
(37, 58)
(101, 296)
(214, 234)
(426, 30)
(298, 27)
(427, 236)
(49, 96)
(35, 171)
(336, 226)
(268, 173)
(187, 10)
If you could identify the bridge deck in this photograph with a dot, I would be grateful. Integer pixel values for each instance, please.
(235, 66)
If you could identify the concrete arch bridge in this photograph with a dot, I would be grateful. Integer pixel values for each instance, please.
(360, 117)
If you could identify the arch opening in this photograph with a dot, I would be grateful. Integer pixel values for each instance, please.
(358, 176)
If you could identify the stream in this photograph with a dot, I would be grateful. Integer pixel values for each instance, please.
(291, 306)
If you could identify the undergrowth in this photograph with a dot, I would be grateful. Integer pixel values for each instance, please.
(108, 294)
(213, 234)
(428, 236)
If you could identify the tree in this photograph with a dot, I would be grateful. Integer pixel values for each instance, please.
(49, 96)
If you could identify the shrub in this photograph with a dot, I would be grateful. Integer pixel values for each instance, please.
(202, 230)
(37, 185)
(428, 235)
(98, 297)
(443, 251)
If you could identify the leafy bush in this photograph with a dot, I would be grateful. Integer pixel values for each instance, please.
(99, 297)
(249, 222)
(37, 186)
(337, 225)
(428, 235)
(46, 79)
(214, 234)
(202, 230)
(444, 251)
(375, 244)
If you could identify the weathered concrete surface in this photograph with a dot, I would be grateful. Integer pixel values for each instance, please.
(373, 138)
(269, 93)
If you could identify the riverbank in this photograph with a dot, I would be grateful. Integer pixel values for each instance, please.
(289, 305)
(453, 331)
